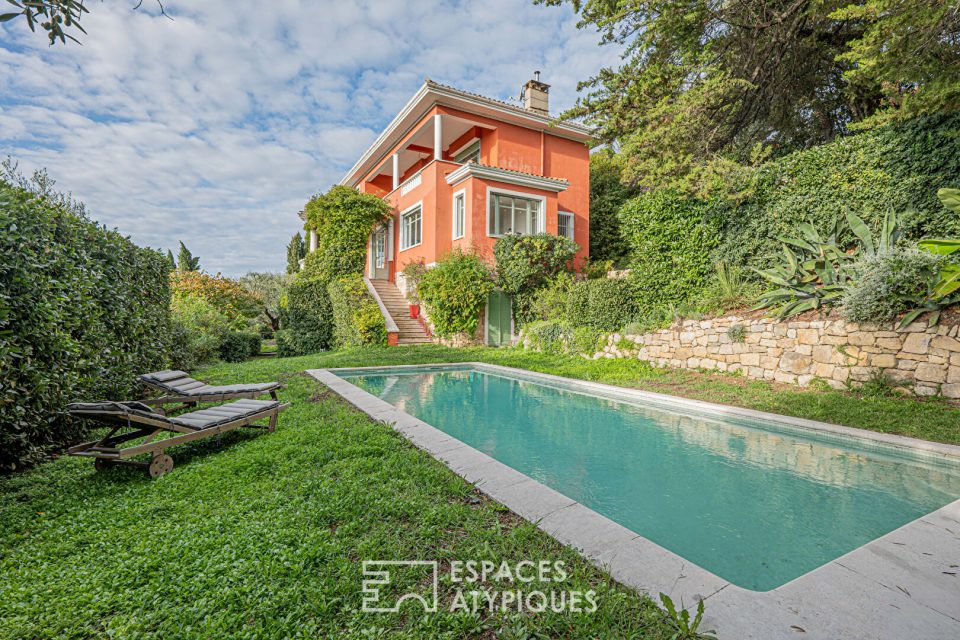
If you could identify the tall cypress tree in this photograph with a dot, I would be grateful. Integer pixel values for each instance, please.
(171, 260)
(186, 261)
(296, 251)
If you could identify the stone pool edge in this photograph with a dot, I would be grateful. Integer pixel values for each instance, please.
(885, 589)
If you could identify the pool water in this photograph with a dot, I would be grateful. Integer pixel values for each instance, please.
(751, 502)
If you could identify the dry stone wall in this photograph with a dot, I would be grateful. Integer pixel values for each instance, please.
(920, 359)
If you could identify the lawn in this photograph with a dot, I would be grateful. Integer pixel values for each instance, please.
(261, 535)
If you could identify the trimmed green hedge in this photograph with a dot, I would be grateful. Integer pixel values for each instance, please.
(357, 320)
(525, 263)
(670, 237)
(307, 318)
(83, 311)
(605, 305)
(895, 168)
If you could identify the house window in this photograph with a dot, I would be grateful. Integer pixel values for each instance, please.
(514, 214)
(410, 228)
(380, 249)
(565, 224)
(459, 214)
(468, 153)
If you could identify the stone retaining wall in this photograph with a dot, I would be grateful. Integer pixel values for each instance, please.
(922, 360)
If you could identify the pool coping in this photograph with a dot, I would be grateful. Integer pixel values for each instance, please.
(902, 584)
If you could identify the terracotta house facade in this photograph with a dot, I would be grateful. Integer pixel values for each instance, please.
(461, 170)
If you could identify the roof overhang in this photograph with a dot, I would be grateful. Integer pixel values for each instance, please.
(473, 170)
(431, 94)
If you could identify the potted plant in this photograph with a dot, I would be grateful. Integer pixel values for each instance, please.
(411, 275)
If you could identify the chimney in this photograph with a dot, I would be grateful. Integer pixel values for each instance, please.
(536, 95)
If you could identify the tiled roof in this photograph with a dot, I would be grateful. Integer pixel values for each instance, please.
(521, 173)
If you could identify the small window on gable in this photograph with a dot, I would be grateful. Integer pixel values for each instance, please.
(565, 224)
(471, 152)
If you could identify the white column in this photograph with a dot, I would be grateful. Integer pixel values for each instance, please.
(396, 170)
(437, 137)
(313, 240)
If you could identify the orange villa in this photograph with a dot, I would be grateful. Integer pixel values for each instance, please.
(460, 170)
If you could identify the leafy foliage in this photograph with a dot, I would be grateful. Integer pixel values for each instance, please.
(412, 274)
(267, 288)
(890, 283)
(671, 238)
(186, 261)
(343, 219)
(684, 628)
(55, 17)
(608, 192)
(550, 301)
(606, 305)
(706, 83)
(296, 251)
(226, 295)
(455, 292)
(308, 318)
(527, 262)
(83, 311)
(896, 168)
(200, 327)
(357, 320)
(237, 346)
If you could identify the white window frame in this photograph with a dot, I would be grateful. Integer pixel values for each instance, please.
(462, 193)
(380, 254)
(570, 221)
(541, 218)
(474, 141)
(403, 227)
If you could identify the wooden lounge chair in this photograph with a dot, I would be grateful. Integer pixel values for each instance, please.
(177, 386)
(133, 420)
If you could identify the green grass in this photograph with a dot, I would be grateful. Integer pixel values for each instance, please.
(262, 535)
(259, 535)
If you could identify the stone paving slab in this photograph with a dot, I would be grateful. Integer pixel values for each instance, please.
(898, 587)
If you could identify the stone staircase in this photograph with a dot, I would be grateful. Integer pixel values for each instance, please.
(410, 331)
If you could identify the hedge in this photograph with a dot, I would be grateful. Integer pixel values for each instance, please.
(605, 305)
(455, 292)
(357, 320)
(671, 238)
(526, 263)
(83, 311)
(307, 318)
(895, 168)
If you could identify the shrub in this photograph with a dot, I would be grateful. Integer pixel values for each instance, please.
(343, 219)
(586, 340)
(228, 296)
(890, 283)
(607, 194)
(606, 305)
(896, 168)
(204, 327)
(356, 315)
(455, 292)
(671, 238)
(548, 336)
(550, 302)
(237, 346)
(309, 318)
(526, 263)
(83, 311)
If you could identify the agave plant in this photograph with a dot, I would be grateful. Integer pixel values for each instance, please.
(814, 273)
(944, 291)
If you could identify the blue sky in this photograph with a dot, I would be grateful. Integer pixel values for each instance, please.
(217, 126)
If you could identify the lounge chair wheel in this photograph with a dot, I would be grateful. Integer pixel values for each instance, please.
(160, 464)
(101, 464)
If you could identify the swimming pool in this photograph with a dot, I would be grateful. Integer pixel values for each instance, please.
(756, 502)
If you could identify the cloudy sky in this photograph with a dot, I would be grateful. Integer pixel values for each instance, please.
(215, 127)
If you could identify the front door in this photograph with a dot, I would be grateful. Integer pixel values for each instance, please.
(380, 270)
(499, 312)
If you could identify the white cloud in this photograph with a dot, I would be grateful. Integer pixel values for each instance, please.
(215, 127)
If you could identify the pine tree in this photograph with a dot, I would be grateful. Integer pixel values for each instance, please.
(296, 251)
(171, 260)
(186, 261)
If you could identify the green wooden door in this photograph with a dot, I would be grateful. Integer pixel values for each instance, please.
(498, 319)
